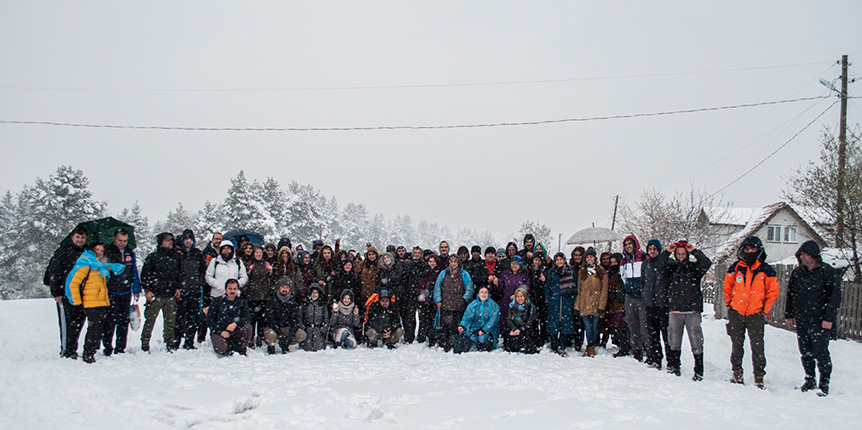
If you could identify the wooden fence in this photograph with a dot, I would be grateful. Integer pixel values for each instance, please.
(849, 324)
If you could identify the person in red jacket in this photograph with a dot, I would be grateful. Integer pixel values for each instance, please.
(750, 290)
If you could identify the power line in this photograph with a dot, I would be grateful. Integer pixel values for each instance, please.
(411, 127)
(386, 87)
(776, 150)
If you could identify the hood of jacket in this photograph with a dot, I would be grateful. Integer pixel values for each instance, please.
(811, 248)
(756, 242)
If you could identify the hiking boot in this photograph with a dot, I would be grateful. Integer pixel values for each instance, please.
(638, 355)
(698, 368)
(673, 371)
(270, 350)
(145, 347)
(91, 358)
(808, 385)
(737, 378)
(621, 353)
(758, 382)
(823, 389)
(591, 351)
(189, 346)
(120, 351)
(107, 352)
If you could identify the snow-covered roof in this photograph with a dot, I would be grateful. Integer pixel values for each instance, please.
(731, 216)
(757, 218)
(835, 257)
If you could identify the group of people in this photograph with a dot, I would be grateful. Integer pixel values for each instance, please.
(277, 296)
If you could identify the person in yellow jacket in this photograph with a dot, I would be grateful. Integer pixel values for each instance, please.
(87, 285)
(750, 290)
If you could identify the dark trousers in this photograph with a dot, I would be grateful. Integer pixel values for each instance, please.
(408, 321)
(188, 319)
(813, 342)
(559, 341)
(257, 308)
(426, 323)
(591, 329)
(238, 341)
(206, 300)
(449, 321)
(117, 321)
(578, 337)
(737, 325)
(524, 342)
(71, 320)
(657, 320)
(95, 323)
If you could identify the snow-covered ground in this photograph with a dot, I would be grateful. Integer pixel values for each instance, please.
(411, 387)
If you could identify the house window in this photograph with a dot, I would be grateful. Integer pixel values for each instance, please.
(773, 233)
(790, 234)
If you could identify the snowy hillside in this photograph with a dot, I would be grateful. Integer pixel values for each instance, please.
(411, 387)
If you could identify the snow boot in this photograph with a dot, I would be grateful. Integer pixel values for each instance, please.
(91, 358)
(758, 382)
(808, 385)
(673, 362)
(270, 349)
(638, 355)
(698, 368)
(737, 378)
(822, 389)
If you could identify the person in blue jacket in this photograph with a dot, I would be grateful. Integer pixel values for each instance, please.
(452, 291)
(481, 321)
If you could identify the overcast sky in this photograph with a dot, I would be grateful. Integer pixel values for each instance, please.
(366, 64)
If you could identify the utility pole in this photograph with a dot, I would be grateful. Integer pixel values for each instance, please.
(842, 156)
(560, 243)
(614, 219)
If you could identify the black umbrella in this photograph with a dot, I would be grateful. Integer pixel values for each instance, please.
(102, 230)
(235, 235)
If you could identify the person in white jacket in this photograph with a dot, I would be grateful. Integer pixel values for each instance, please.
(225, 266)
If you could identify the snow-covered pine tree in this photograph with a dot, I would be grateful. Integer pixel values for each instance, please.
(244, 207)
(178, 220)
(275, 201)
(144, 237)
(210, 219)
(306, 214)
(46, 213)
(354, 226)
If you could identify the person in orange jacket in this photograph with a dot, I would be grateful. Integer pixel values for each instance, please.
(750, 290)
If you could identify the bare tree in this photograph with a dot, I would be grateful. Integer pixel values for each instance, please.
(814, 186)
(685, 215)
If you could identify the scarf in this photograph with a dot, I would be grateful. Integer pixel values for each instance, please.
(346, 309)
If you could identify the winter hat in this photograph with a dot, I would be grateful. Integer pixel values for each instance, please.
(618, 256)
(187, 233)
(371, 249)
(347, 292)
(225, 243)
(284, 280)
(284, 241)
(811, 248)
(475, 248)
(501, 251)
(385, 293)
(345, 261)
(463, 250)
(491, 250)
(517, 259)
(655, 242)
(590, 251)
(316, 243)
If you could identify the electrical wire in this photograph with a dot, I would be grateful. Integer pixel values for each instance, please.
(386, 87)
(774, 152)
(411, 127)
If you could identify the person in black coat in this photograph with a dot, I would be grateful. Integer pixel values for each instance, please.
(384, 323)
(314, 320)
(229, 319)
(685, 302)
(71, 318)
(283, 318)
(193, 267)
(813, 300)
(159, 279)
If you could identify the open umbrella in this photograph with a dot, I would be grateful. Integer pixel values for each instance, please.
(102, 230)
(235, 235)
(594, 235)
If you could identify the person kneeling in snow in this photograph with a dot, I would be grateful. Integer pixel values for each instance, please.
(315, 320)
(481, 321)
(384, 323)
(345, 320)
(282, 315)
(229, 320)
(523, 324)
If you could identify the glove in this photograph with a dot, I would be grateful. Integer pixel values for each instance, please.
(601, 313)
